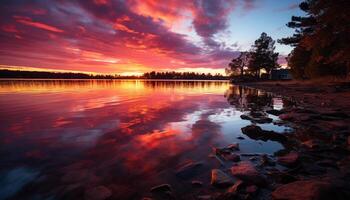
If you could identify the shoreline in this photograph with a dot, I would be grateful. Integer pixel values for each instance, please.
(319, 153)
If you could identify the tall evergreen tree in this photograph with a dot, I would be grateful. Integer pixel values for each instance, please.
(322, 39)
(262, 55)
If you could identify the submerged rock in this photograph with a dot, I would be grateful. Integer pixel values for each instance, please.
(220, 178)
(247, 172)
(161, 188)
(304, 190)
(256, 133)
(289, 160)
(196, 183)
(232, 157)
(274, 112)
(98, 193)
(233, 147)
(188, 170)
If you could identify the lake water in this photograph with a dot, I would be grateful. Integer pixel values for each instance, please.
(61, 139)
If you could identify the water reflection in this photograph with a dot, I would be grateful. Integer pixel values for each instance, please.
(71, 137)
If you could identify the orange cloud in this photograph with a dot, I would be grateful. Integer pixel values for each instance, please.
(28, 21)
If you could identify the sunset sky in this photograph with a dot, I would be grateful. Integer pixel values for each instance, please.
(136, 36)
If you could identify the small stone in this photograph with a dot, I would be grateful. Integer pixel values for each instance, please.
(188, 170)
(274, 112)
(204, 197)
(196, 183)
(236, 187)
(220, 178)
(252, 189)
(304, 190)
(161, 188)
(98, 193)
(289, 160)
(240, 138)
(233, 147)
(232, 157)
(246, 171)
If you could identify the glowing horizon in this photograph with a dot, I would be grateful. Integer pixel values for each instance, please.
(131, 37)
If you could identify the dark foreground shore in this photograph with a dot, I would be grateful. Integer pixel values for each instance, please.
(315, 164)
(317, 157)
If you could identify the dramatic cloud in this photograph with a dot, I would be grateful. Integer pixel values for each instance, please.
(116, 35)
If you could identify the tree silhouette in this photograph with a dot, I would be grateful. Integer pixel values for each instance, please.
(321, 40)
(238, 64)
(262, 55)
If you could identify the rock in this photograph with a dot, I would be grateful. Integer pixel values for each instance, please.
(204, 197)
(266, 161)
(246, 171)
(236, 187)
(98, 193)
(240, 138)
(312, 144)
(261, 119)
(286, 117)
(303, 190)
(188, 170)
(289, 160)
(256, 133)
(274, 112)
(246, 117)
(161, 188)
(196, 183)
(233, 147)
(252, 189)
(232, 157)
(220, 178)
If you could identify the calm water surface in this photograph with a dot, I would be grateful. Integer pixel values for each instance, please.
(59, 139)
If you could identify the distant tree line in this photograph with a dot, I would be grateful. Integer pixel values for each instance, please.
(261, 57)
(4, 73)
(321, 41)
(183, 75)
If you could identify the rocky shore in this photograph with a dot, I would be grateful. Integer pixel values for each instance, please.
(315, 161)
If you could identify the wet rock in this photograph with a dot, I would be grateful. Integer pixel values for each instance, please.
(246, 117)
(233, 147)
(281, 177)
(274, 112)
(232, 157)
(252, 189)
(240, 138)
(312, 144)
(266, 161)
(261, 119)
(286, 117)
(196, 183)
(247, 172)
(204, 197)
(161, 188)
(188, 170)
(236, 187)
(303, 190)
(220, 178)
(289, 160)
(256, 133)
(98, 193)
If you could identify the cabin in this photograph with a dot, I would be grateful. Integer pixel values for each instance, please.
(281, 74)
